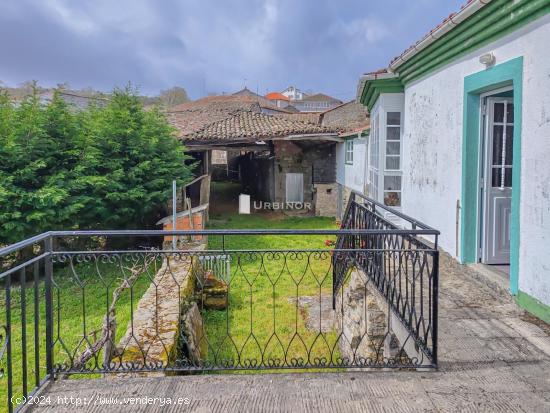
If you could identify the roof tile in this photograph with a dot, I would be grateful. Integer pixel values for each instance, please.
(249, 125)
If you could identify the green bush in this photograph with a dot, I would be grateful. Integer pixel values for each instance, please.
(100, 168)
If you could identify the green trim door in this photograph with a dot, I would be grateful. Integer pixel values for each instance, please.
(497, 180)
(506, 74)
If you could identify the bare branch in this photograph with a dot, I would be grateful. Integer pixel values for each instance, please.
(108, 330)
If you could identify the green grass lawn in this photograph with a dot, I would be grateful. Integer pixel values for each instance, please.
(262, 319)
(80, 302)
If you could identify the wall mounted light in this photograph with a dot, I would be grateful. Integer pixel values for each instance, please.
(487, 59)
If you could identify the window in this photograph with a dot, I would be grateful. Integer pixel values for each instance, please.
(503, 147)
(349, 151)
(219, 157)
(393, 141)
(392, 191)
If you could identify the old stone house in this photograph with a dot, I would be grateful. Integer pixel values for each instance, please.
(285, 160)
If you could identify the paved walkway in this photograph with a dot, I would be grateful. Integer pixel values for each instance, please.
(492, 358)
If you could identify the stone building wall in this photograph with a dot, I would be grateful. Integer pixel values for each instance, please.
(326, 199)
(317, 162)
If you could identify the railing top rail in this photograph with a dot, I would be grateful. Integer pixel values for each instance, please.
(150, 233)
(23, 244)
(206, 253)
(247, 232)
(406, 217)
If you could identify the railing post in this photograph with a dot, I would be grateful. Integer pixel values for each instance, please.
(435, 304)
(8, 339)
(48, 269)
(23, 282)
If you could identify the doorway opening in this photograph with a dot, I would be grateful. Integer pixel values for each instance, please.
(294, 188)
(495, 183)
(504, 78)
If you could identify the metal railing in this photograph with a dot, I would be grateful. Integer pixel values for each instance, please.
(402, 262)
(108, 302)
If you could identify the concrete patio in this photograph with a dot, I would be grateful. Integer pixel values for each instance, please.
(493, 357)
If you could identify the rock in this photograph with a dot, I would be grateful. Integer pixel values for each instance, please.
(215, 303)
(194, 345)
(214, 293)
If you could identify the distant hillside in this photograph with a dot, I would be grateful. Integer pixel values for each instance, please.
(167, 98)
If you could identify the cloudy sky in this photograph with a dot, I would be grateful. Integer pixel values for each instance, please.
(209, 46)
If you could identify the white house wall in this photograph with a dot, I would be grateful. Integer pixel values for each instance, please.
(432, 144)
(352, 176)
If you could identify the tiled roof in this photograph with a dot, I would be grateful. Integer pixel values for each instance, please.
(190, 121)
(311, 117)
(429, 35)
(246, 125)
(240, 118)
(246, 92)
(349, 117)
(321, 97)
(291, 109)
(276, 96)
(216, 102)
(224, 101)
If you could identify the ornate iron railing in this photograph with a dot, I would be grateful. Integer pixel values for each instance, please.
(112, 302)
(401, 261)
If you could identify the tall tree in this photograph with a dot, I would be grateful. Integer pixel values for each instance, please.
(173, 96)
(108, 167)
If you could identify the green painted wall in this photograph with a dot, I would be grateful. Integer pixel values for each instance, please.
(508, 73)
(533, 306)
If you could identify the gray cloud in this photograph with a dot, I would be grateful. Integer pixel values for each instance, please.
(207, 45)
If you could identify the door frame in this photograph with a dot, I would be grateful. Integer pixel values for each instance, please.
(508, 74)
(484, 184)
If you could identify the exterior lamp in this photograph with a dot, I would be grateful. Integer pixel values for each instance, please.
(487, 59)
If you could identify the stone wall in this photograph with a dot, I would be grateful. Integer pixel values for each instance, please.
(361, 314)
(316, 161)
(371, 331)
(326, 199)
(153, 334)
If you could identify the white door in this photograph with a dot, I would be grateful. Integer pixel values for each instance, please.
(294, 187)
(497, 181)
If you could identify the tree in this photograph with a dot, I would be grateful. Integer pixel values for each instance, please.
(109, 167)
(139, 159)
(173, 96)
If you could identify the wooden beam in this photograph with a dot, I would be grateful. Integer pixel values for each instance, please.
(249, 148)
(333, 137)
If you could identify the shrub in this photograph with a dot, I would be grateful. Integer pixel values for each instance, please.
(98, 168)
